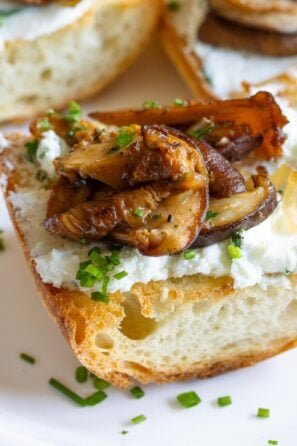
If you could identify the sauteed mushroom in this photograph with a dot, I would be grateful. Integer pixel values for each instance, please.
(241, 211)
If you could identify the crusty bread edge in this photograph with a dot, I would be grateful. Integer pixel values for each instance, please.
(60, 302)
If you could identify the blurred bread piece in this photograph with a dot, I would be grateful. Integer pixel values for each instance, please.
(195, 326)
(180, 31)
(77, 61)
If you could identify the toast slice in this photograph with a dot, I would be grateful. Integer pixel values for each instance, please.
(181, 328)
(74, 61)
(212, 71)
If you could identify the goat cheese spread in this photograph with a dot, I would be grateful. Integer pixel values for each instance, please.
(268, 248)
(227, 69)
(31, 22)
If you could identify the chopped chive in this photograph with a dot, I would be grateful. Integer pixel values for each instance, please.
(95, 398)
(174, 6)
(137, 392)
(114, 258)
(67, 392)
(99, 383)
(94, 250)
(125, 137)
(188, 399)
(150, 105)
(138, 419)
(211, 214)
(287, 272)
(202, 132)
(237, 238)
(179, 102)
(224, 401)
(27, 358)
(124, 432)
(234, 252)
(189, 254)
(73, 114)
(44, 124)
(81, 374)
(83, 241)
(121, 275)
(263, 413)
(98, 296)
(272, 442)
(31, 147)
(138, 212)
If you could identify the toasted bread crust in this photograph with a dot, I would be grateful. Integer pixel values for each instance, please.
(80, 318)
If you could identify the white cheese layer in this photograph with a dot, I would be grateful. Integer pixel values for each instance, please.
(31, 22)
(268, 248)
(227, 69)
(50, 147)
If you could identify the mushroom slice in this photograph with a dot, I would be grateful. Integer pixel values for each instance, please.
(225, 33)
(66, 195)
(96, 219)
(260, 112)
(167, 156)
(102, 162)
(224, 180)
(171, 228)
(242, 211)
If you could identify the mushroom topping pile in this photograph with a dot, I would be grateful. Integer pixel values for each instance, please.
(163, 181)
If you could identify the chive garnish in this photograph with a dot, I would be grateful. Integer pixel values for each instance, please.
(179, 102)
(73, 113)
(263, 413)
(150, 105)
(124, 432)
(81, 374)
(138, 212)
(121, 275)
(95, 398)
(31, 147)
(234, 252)
(202, 132)
(189, 254)
(237, 238)
(138, 419)
(67, 392)
(272, 442)
(97, 269)
(174, 6)
(211, 214)
(137, 392)
(99, 383)
(124, 137)
(27, 358)
(188, 399)
(224, 401)
(44, 124)
(98, 296)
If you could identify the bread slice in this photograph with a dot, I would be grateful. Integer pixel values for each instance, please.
(180, 38)
(76, 61)
(196, 326)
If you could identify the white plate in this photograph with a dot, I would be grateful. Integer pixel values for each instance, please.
(32, 413)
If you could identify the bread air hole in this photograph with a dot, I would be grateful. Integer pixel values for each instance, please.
(136, 368)
(104, 341)
(134, 325)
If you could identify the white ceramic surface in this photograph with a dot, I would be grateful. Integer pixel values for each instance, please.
(34, 414)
